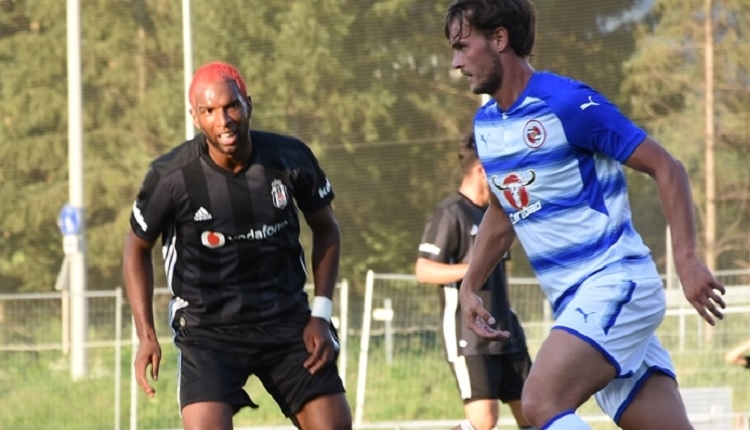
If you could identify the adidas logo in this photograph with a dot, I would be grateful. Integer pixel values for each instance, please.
(202, 215)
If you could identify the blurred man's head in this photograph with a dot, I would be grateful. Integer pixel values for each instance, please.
(467, 152)
(474, 182)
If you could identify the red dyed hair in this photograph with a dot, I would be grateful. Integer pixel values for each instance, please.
(216, 72)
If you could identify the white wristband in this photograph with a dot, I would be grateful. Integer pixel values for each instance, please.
(322, 307)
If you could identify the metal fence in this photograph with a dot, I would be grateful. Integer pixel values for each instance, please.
(395, 321)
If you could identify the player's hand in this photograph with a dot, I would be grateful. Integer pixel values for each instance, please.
(149, 354)
(320, 343)
(476, 317)
(702, 290)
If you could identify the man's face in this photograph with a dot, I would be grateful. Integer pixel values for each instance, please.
(222, 113)
(474, 56)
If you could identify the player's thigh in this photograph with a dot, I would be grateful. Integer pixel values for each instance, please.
(475, 377)
(292, 386)
(657, 406)
(567, 371)
(207, 373)
(325, 412)
(207, 416)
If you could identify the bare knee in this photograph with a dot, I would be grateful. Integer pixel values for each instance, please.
(657, 405)
(327, 412)
(535, 407)
(483, 422)
(482, 413)
(207, 416)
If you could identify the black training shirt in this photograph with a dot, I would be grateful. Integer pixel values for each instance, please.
(448, 238)
(230, 241)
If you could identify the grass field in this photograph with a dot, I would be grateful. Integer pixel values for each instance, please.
(416, 385)
(36, 391)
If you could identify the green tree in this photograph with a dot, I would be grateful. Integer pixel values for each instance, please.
(666, 87)
(368, 84)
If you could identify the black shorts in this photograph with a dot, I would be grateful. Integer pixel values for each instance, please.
(499, 377)
(215, 363)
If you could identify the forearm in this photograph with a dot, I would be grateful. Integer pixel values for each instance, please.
(433, 272)
(138, 274)
(493, 240)
(677, 202)
(736, 354)
(326, 250)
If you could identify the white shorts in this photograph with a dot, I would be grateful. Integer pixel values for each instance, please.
(618, 318)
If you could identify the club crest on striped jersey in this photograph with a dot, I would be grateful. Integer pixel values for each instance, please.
(213, 239)
(279, 194)
(516, 194)
(534, 134)
(514, 186)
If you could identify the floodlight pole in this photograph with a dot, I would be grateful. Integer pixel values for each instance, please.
(76, 250)
(187, 59)
(711, 256)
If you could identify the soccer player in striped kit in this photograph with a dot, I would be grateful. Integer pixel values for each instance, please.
(553, 150)
(225, 205)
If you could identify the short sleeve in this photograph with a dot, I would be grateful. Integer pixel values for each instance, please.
(313, 190)
(152, 207)
(593, 123)
(440, 237)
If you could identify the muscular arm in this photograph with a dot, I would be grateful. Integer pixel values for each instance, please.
(493, 240)
(326, 246)
(673, 186)
(325, 264)
(434, 272)
(138, 274)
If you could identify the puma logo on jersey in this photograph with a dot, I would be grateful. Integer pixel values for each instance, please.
(589, 104)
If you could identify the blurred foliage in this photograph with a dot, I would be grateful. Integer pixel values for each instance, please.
(366, 83)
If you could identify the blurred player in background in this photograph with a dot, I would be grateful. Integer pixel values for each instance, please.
(225, 205)
(553, 150)
(486, 371)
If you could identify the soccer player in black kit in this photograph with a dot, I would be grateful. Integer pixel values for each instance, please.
(485, 371)
(225, 205)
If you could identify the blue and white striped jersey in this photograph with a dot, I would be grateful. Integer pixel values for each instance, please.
(554, 162)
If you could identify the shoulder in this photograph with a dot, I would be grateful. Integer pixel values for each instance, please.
(453, 207)
(282, 144)
(561, 92)
(178, 157)
(452, 202)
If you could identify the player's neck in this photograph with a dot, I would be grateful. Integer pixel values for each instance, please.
(474, 192)
(517, 73)
(235, 161)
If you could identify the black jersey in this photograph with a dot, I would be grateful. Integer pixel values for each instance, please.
(230, 241)
(449, 238)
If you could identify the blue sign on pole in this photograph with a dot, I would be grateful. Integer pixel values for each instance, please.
(70, 220)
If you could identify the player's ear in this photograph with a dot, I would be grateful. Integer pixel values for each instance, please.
(480, 170)
(249, 107)
(500, 39)
(194, 115)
